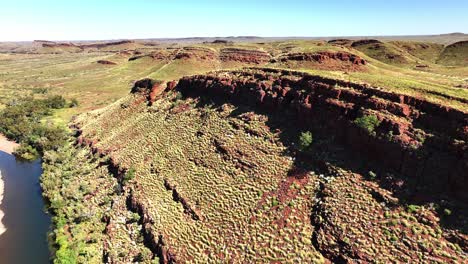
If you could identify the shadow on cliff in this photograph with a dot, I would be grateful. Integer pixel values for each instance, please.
(330, 149)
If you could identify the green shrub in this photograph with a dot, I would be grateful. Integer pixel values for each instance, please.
(48, 138)
(274, 202)
(129, 175)
(134, 218)
(178, 96)
(447, 212)
(412, 208)
(55, 102)
(73, 103)
(305, 140)
(26, 152)
(64, 254)
(40, 90)
(368, 123)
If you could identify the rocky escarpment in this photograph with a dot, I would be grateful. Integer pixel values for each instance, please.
(106, 44)
(458, 44)
(51, 44)
(324, 57)
(58, 45)
(196, 53)
(221, 165)
(244, 55)
(340, 41)
(201, 53)
(365, 42)
(424, 141)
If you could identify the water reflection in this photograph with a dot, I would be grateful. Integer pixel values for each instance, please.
(25, 240)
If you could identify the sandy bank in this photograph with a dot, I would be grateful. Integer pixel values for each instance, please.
(8, 147)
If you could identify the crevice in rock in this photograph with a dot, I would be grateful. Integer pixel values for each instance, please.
(152, 241)
(185, 203)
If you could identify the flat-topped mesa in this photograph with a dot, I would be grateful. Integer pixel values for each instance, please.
(105, 44)
(365, 42)
(422, 140)
(340, 41)
(57, 45)
(324, 56)
(244, 55)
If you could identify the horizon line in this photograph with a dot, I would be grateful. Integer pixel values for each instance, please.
(240, 36)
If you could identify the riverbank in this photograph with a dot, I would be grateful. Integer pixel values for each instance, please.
(7, 147)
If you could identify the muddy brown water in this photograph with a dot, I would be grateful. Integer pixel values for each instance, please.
(25, 219)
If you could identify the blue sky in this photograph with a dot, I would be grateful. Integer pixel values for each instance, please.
(114, 19)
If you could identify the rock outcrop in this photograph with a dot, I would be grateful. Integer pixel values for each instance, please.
(365, 42)
(463, 43)
(105, 44)
(58, 45)
(423, 141)
(196, 53)
(152, 88)
(106, 62)
(245, 56)
(340, 41)
(324, 56)
(51, 44)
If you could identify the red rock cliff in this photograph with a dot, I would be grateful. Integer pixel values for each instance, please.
(419, 139)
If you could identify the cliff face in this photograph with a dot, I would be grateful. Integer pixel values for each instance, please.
(323, 57)
(424, 141)
(243, 55)
(365, 42)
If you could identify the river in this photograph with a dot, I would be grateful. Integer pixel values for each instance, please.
(25, 221)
